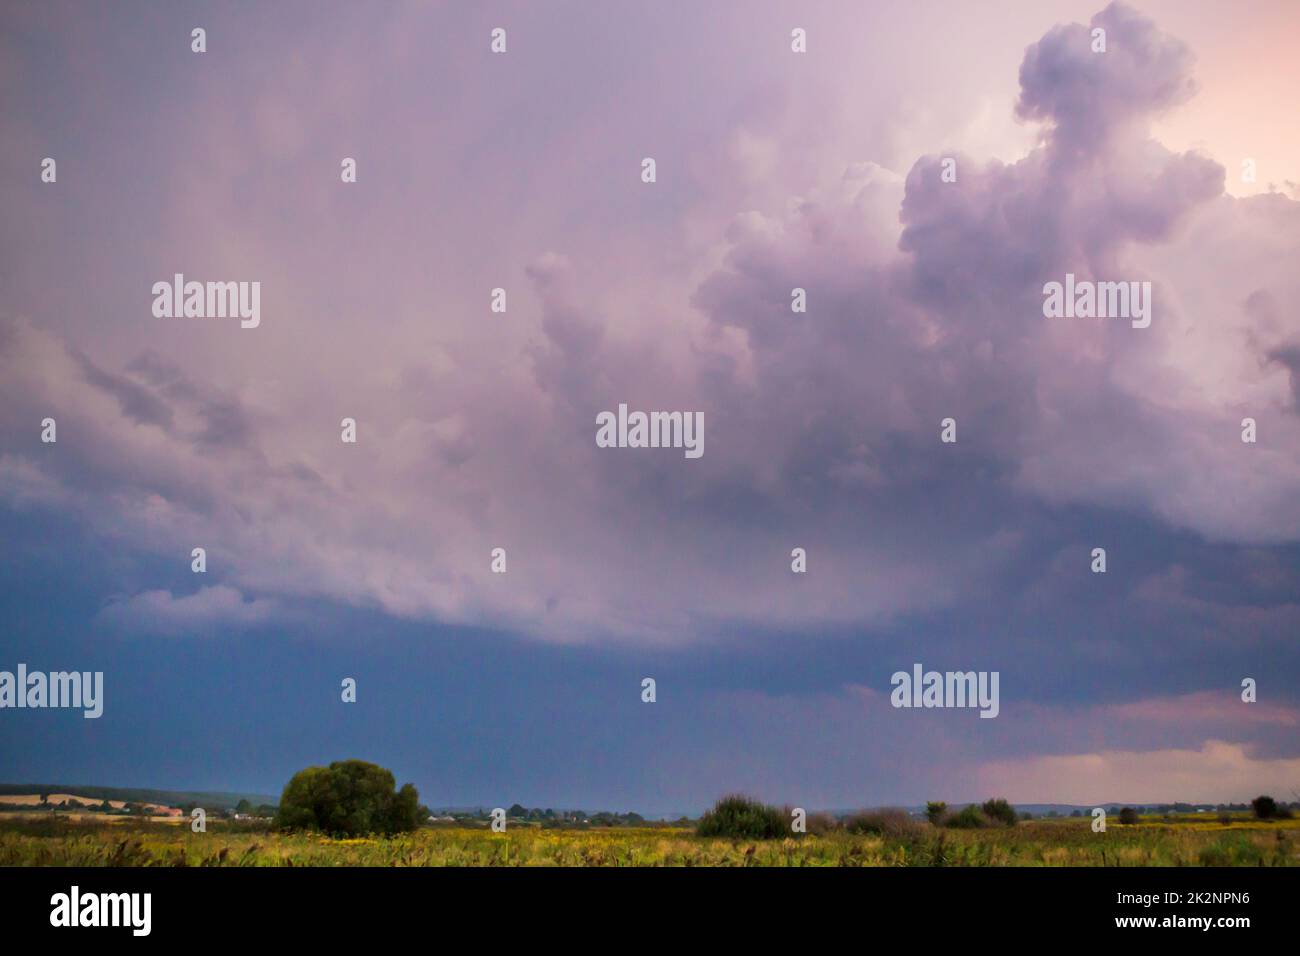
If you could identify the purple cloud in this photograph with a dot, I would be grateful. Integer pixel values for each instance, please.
(477, 429)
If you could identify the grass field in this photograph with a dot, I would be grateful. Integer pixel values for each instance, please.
(1177, 841)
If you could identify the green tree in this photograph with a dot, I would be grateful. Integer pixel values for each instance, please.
(998, 809)
(348, 798)
(935, 811)
(739, 817)
(1128, 815)
(1265, 807)
(968, 818)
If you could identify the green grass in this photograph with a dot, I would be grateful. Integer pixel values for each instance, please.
(1174, 841)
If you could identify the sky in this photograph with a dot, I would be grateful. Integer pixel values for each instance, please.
(476, 429)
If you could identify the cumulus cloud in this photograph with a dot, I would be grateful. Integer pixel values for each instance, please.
(1085, 90)
(924, 303)
(1089, 411)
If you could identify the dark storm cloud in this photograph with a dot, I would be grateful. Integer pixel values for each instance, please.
(822, 429)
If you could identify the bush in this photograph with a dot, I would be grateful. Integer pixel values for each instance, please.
(888, 822)
(1266, 808)
(819, 824)
(348, 798)
(999, 811)
(739, 817)
(935, 811)
(1128, 815)
(968, 818)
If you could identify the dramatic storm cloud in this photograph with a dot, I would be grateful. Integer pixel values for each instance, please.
(476, 429)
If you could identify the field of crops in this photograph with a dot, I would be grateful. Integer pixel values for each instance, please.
(1181, 841)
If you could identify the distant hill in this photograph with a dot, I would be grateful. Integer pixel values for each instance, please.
(1065, 809)
(1084, 809)
(172, 798)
